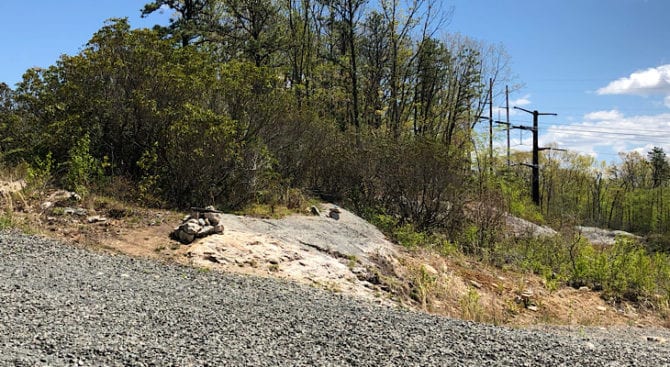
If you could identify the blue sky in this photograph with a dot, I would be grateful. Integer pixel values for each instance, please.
(602, 65)
(37, 32)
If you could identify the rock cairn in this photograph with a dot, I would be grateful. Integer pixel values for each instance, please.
(202, 222)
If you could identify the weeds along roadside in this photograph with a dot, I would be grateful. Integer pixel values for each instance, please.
(625, 271)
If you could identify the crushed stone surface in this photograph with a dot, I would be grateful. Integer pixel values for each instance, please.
(65, 306)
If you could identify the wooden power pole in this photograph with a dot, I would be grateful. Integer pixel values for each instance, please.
(491, 124)
(508, 124)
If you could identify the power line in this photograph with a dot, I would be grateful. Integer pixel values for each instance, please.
(615, 139)
(562, 129)
(605, 129)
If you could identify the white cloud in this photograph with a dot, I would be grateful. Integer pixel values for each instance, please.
(652, 81)
(603, 115)
(523, 101)
(644, 149)
(605, 133)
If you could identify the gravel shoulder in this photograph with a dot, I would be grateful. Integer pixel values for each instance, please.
(61, 305)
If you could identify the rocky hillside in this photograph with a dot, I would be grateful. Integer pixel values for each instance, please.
(331, 248)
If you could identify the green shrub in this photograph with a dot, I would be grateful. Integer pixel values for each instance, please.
(83, 169)
(625, 271)
(149, 190)
(424, 283)
(471, 308)
(6, 220)
(385, 223)
(39, 174)
(548, 257)
(409, 237)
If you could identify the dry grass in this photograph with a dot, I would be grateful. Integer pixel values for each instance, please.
(466, 289)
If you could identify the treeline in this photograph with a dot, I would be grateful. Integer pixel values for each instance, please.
(631, 195)
(241, 101)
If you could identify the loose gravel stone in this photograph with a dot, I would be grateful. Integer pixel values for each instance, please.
(64, 306)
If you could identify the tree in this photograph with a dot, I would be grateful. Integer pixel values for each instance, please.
(7, 117)
(191, 21)
(301, 47)
(659, 166)
(262, 96)
(374, 58)
(342, 24)
(252, 26)
(400, 25)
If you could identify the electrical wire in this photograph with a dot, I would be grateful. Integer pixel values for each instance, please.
(588, 131)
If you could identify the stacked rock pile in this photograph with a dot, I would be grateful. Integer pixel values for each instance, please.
(202, 222)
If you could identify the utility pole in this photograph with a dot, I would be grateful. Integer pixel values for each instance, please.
(508, 124)
(491, 125)
(535, 183)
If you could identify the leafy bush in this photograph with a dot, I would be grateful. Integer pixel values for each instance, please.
(548, 257)
(83, 170)
(624, 271)
(6, 220)
(471, 307)
(40, 173)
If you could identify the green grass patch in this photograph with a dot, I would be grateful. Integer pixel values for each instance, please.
(6, 221)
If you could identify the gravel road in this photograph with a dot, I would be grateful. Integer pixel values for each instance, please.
(61, 305)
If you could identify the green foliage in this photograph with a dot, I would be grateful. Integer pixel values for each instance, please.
(659, 164)
(409, 237)
(191, 22)
(624, 271)
(424, 283)
(83, 170)
(631, 195)
(385, 223)
(187, 129)
(39, 174)
(404, 234)
(471, 308)
(264, 100)
(548, 257)
(148, 186)
(518, 201)
(6, 220)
